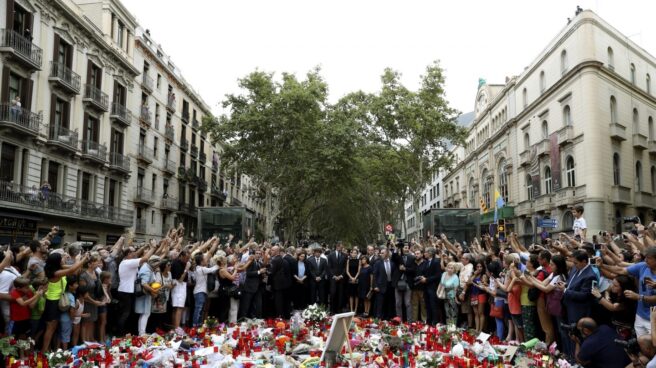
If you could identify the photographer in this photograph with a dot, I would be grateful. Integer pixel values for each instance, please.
(595, 345)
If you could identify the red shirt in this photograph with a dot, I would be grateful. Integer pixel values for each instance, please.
(16, 311)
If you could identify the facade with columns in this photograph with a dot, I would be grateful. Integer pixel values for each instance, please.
(576, 127)
(99, 131)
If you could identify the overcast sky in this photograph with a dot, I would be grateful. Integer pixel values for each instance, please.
(216, 42)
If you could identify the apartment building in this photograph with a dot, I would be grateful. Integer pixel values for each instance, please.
(575, 127)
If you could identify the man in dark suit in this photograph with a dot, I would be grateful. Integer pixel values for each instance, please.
(404, 281)
(250, 303)
(336, 274)
(384, 272)
(280, 281)
(291, 262)
(577, 297)
(318, 272)
(430, 277)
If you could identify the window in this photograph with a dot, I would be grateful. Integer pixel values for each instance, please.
(563, 61)
(524, 98)
(636, 121)
(613, 110)
(650, 126)
(653, 179)
(528, 227)
(633, 78)
(567, 116)
(543, 83)
(503, 181)
(119, 34)
(616, 169)
(7, 162)
(527, 143)
(638, 174)
(568, 220)
(545, 129)
(91, 129)
(153, 182)
(547, 180)
(159, 80)
(53, 175)
(611, 58)
(571, 175)
(472, 193)
(487, 187)
(648, 83)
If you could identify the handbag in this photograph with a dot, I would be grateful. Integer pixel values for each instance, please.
(402, 285)
(211, 282)
(138, 288)
(233, 291)
(554, 306)
(441, 292)
(64, 302)
(496, 311)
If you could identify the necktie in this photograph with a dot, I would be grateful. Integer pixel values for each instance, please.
(337, 255)
(317, 261)
(387, 270)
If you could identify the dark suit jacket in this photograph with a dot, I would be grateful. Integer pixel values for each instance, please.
(280, 274)
(307, 271)
(410, 268)
(577, 297)
(318, 270)
(432, 273)
(335, 267)
(380, 275)
(253, 280)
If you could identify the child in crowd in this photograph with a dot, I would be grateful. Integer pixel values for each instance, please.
(65, 319)
(78, 313)
(22, 300)
(37, 325)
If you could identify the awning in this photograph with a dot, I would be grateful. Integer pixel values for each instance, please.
(502, 213)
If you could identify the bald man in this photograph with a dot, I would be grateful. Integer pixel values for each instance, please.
(596, 347)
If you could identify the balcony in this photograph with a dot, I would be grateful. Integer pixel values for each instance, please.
(95, 98)
(170, 104)
(23, 198)
(119, 163)
(182, 174)
(145, 154)
(566, 135)
(543, 148)
(524, 208)
(169, 204)
(143, 196)
(185, 115)
(457, 197)
(617, 132)
(94, 151)
(62, 138)
(565, 197)
(169, 133)
(63, 77)
(169, 167)
(202, 185)
(639, 141)
(140, 226)
(20, 48)
(543, 203)
(195, 124)
(121, 114)
(217, 193)
(215, 166)
(184, 144)
(652, 146)
(643, 200)
(20, 120)
(147, 83)
(524, 157)
(194, 151)
(145, 117)
(202, 157)
(620, 194)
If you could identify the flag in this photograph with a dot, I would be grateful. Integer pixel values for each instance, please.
(498, 203)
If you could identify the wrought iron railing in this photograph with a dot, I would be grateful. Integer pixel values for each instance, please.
(65, 74)
(19, 116)
(94, 149)
(63, 135)
(94, 93)
(21, 45)
(119, 161)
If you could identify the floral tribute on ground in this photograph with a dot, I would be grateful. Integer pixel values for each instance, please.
(297, 342)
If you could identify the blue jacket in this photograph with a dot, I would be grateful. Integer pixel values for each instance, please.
(380, 275)
(577, 298)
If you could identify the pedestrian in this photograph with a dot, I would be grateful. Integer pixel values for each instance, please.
(143, 303)
(336, 277)
(353, 273)
(450, 282)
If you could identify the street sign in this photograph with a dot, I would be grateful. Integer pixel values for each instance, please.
(389, 228)
(548, 223)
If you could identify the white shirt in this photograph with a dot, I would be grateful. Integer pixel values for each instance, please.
(127, 273)
(7, 277)
(579, 226)
(466, 272)
(201, 278)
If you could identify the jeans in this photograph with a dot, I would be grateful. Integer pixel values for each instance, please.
(499, 321)
(199, 303)
(402, 299)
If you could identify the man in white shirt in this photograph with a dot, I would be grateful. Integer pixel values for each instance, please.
(580, 226)
(127, 273)
(465, 273)
(7, 277)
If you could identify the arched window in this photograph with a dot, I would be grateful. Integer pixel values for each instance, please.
(633, 75)
(547, 180)
(503, 181)
(527, 141)
(571, 175)
(648, 83)
(524, 97)
(636, 121)
(567, 116)
(529, 187)
(611, 58)
(473, 197)
(563, 61)
(568, 221)
(545, 129)
(528, 227)
(638, 174)
(543, 83)
(487, 187)
(616, 169)
(613, 110)
(653, 180)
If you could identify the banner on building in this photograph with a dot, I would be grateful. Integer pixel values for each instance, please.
(555, 161)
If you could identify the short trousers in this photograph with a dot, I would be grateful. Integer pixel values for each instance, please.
(51, 311)
(65, 330)
(179, 296)
(102, 309)
(517, 320)
(21, 327)
(478, 299)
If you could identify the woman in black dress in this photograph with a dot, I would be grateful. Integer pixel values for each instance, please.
(364, 284)
(301, 285)
(353, 272)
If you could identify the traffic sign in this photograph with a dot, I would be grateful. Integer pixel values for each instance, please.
(389, 228)
(548, 223)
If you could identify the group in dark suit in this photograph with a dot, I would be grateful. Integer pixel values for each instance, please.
(384, 272)
(404, 282)
(318, 273)
(430, 276)
(250, 303)
(280, 282)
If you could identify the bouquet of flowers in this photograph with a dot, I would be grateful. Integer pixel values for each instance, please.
(59, 357)
(315, 313)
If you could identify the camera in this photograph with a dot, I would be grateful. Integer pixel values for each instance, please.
(627, 338)
(571, 329)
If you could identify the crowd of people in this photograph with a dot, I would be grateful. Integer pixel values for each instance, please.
(592, 295)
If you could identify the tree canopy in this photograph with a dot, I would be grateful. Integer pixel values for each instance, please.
(343, 170)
